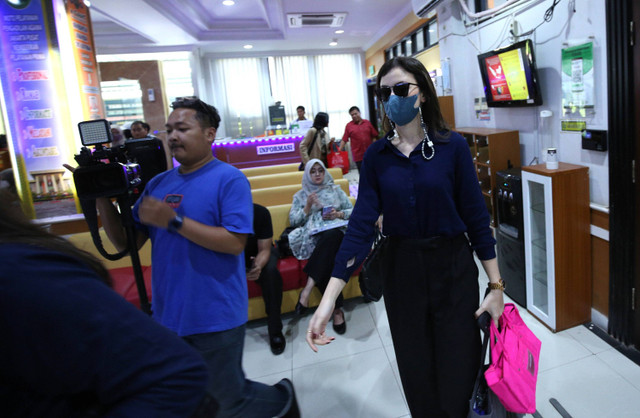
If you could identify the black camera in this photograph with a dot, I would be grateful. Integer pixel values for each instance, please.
(103, 172)
(116, 171)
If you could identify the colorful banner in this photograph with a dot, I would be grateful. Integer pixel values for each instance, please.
(33, 101)
(85, 59)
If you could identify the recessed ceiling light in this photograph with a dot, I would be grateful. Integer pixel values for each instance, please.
(248, 46)
(228, 2)
(339, 31)
(87, 3)
(333, 42)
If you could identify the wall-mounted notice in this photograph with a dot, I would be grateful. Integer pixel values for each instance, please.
(577, 80)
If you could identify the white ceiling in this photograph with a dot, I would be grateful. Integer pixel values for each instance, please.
(140, 26)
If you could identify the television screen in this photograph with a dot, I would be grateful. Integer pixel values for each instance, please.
(510, 77)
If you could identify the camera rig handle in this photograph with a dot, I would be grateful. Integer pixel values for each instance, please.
(91, 216)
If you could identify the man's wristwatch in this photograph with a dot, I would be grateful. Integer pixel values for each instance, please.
(175, 224)
(497, 286)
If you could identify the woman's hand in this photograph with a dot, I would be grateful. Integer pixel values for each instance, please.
(318, 324)
(334, 214)
(494, 304)
(312, 202)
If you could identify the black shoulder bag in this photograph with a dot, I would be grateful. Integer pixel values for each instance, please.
(373, 270)
(284, 250)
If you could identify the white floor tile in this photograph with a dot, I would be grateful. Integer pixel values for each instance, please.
(381, 321)
(623, 366)
(350, 387)
(357, 374)
(272, 379)
(557, 349)
(361, 336)
(257, 359)
(588, 339)
(587, 388)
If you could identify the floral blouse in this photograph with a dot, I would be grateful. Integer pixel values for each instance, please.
(301, 242)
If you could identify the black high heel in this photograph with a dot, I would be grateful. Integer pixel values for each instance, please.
(341, 328)
(300, 308)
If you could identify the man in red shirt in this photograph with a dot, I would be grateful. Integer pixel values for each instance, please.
(361, 133)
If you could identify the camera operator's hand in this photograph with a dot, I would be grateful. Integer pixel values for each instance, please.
(155, 212)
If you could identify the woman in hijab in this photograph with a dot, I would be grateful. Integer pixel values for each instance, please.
(319, 211)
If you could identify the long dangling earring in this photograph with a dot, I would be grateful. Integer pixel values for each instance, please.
(426, 138)
(395, 133)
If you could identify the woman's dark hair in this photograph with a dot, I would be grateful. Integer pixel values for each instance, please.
(321, 121)
(430, 107)
(15, 228)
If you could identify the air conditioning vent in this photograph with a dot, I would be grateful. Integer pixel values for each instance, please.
(299, 20)
(422, 7)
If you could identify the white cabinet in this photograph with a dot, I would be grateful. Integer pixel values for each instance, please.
(557, 244)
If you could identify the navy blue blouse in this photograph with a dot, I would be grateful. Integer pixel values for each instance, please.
(419, 199)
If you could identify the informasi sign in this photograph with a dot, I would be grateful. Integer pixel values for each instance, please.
(275, 149)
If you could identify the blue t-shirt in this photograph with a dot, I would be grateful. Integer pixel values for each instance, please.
(197, 290)
(419, 199)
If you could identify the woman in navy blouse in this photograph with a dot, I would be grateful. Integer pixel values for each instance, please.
(422, 178)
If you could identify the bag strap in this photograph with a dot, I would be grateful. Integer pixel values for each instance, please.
(313, 142)
(483, 321)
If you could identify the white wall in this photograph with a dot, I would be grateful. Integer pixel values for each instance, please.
(457, 44)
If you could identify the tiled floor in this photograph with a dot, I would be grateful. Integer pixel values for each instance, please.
(356, 375)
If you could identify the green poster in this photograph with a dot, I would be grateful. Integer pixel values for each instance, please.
(577, 80)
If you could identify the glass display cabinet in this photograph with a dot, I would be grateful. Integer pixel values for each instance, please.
(557, 244)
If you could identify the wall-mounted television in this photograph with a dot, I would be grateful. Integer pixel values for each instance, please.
(510, 76)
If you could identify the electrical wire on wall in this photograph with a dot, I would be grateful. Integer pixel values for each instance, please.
(548, 15)
(509, 23)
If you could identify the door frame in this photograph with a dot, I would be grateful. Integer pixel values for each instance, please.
(623, 61)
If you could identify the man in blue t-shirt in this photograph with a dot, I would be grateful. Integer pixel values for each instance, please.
(198, 217)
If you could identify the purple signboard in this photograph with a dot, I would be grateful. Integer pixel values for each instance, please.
(28, 85)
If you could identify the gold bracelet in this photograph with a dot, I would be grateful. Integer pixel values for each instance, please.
(498, 286)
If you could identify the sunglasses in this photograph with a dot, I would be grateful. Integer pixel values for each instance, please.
(400, 89)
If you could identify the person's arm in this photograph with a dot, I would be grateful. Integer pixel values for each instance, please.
(345, 138)
(299, 211)
(318, 323)
(346, 207)
(304, 145)
(494, 302)
(261, 259)
(112, 224)
(216, 238)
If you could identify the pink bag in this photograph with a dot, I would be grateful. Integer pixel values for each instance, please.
(513, 372)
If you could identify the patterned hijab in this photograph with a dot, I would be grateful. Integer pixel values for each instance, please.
(308, 185)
